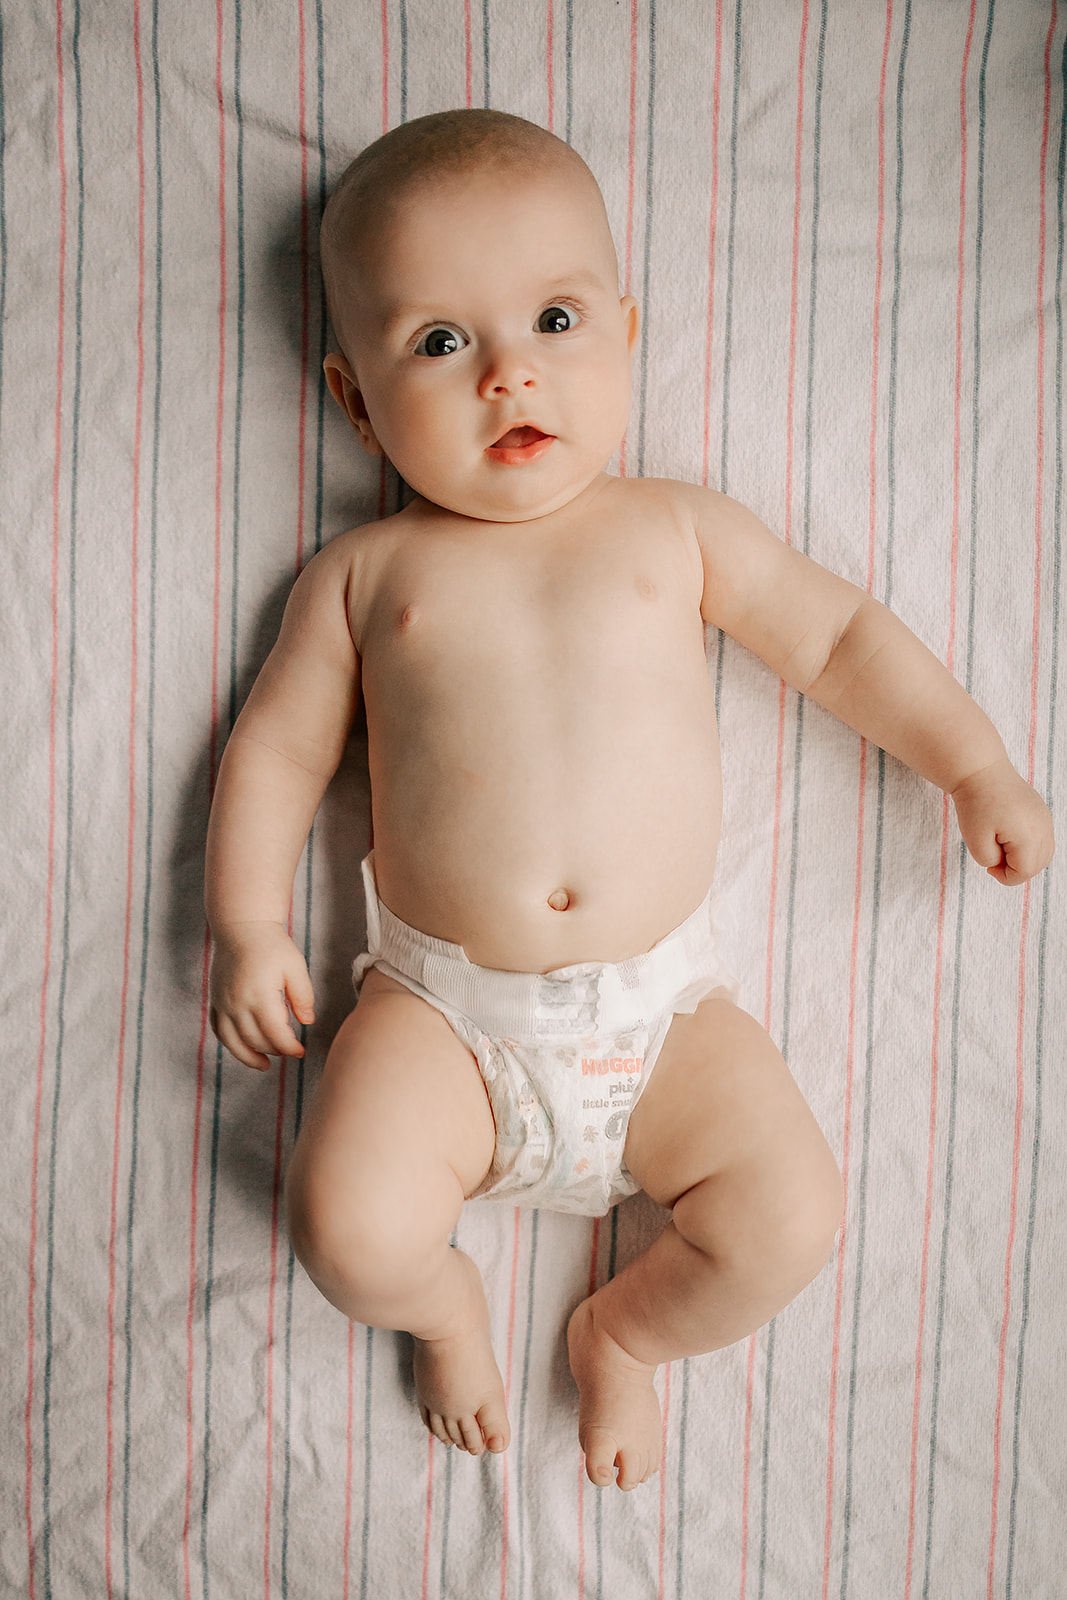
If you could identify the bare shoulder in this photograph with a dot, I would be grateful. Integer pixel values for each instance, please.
(341, 579)
(737, 552)
(711, 516)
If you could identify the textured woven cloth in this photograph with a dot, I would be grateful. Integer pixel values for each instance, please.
(843, 222)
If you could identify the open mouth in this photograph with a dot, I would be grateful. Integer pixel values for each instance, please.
(520, 444)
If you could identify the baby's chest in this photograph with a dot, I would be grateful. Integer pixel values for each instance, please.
(603, 597)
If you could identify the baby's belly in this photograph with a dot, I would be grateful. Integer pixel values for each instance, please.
(531, 864)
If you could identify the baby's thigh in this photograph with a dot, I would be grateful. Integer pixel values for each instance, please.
(721, 1104)
(400, 1127)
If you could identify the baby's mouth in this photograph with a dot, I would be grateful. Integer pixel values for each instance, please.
(519, 445)
(519, 438)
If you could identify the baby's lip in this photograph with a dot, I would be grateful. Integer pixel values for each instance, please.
(519, 438)
(520, 444)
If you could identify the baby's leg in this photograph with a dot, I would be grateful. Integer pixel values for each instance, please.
(721, 1135)
(398, 1134)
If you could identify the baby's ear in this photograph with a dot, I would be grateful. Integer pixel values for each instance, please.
(632, 317)
(341, 382)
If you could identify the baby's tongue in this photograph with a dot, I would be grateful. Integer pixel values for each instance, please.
(515, 438)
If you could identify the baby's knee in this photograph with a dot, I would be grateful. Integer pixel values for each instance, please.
(347, 1247)
(811, 1221)
(362, 1244)
(767, 1228)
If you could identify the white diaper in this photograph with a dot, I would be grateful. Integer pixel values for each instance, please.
(564, 1055)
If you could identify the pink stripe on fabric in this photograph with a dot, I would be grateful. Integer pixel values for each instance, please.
(665, 1429)
(594, 1255)
(194, 1212)
(31, 1287)
(272, 1288)
(879, 263)
(794, 277)
(512, 1297)
(776, 827)
(279, 1126)
(131, 799)
(631, 170)
(709, 319)
(305, 288)
(429, 1520)
(201, 1061)
(846, 1166)
(346, 1540)
(468, 45)
(1031, 747)
(857, 905)
(746, 1461)
(385, 65)
(935, 1044)
(1009, 1249)
(928, 1208)
(776, 839)
(550, 22)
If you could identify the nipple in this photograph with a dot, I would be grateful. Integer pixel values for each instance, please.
(559, 900)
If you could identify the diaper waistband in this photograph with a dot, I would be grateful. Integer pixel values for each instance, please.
(582, 1001)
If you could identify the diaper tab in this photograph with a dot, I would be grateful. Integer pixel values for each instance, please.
(567, 1001)
(582, 1001)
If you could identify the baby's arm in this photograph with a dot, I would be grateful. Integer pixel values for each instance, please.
(836, 644)
(284, 749)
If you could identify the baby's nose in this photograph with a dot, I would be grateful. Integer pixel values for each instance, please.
(507, 370)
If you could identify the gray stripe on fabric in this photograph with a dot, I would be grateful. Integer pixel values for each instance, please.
(1040, 1019)
(3, 217)
(368, 1463)
(68, 862)
(957, 985)
(149, 804)
(526, 1356)
(646, 258)
(798, 748)
(859, 1224)
(728, 320)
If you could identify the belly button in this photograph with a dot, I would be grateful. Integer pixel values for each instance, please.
(559, 900)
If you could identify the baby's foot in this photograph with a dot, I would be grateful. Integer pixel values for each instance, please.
(618, 1414)
(461, 1393)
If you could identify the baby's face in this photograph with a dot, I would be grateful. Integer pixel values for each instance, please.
(488, 344)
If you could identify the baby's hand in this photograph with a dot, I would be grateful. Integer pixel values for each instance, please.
(255, 969)
(1005, 824)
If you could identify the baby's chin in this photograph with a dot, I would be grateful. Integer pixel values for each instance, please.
(519, 502)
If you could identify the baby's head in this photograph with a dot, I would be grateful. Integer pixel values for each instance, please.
(473, 289)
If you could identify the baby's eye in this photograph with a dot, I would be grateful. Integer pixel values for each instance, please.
(557, 319)
(440, 342)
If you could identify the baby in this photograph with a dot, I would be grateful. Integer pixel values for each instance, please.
(545, 1014)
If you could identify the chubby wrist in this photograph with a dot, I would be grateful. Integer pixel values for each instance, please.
(239, 930)
(997, 770)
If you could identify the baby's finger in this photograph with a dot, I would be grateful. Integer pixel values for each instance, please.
(985, 847)
(300, 994)
(230, 1036)
(275, 1032)
(1021, 862)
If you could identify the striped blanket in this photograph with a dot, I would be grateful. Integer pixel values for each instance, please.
(844, 223)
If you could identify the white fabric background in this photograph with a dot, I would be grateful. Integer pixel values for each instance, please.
(844, 224)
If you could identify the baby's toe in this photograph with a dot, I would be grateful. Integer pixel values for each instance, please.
(492, 1422)
(440, 1427)
(601, 1454)
(635, 1468)
(471, 1435)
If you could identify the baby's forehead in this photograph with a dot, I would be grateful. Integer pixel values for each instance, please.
(457, 158)
(373, 219)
